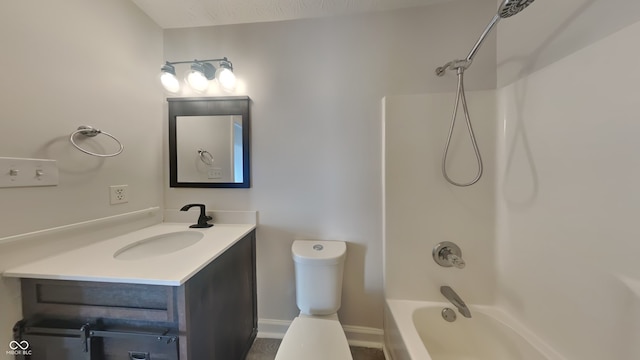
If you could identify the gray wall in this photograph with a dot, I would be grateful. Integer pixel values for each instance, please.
(65, 64)
(317, 87)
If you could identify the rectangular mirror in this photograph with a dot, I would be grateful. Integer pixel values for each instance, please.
(209, 142)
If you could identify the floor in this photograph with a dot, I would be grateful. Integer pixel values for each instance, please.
(265, 349)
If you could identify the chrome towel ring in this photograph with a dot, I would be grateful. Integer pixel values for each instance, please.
(205, 157)
(91, 132)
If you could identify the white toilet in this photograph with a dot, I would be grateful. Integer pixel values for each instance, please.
(316, 334)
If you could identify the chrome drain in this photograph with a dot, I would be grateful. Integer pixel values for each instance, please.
(449, 315)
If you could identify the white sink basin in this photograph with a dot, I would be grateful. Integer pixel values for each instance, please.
(158, 245)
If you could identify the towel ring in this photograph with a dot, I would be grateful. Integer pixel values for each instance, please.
(91, 132)
(205, 157)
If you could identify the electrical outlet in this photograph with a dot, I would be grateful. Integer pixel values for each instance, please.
(215, 173)
(118, 194)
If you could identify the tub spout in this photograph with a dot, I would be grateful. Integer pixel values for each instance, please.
(455, 300)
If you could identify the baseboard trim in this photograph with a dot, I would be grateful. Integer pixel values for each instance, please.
(356, 335)
(387, 356)
(364, 336)
(272, 328)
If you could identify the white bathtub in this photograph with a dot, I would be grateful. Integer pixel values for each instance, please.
(415, 330)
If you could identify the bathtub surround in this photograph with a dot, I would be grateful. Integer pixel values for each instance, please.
(562, 245)
(568, 200)
(422, 210)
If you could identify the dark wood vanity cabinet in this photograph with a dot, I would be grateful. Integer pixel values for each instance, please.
(213, 316)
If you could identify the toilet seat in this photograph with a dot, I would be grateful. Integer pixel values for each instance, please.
(311, 338)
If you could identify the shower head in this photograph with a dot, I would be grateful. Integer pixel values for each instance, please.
(512, 7)
(507, 9)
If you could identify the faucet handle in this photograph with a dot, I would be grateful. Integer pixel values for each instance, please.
(448, 254)
(456, 261)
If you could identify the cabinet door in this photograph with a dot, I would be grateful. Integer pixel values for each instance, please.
(221, 305)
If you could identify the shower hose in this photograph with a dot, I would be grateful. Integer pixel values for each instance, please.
(460, 97)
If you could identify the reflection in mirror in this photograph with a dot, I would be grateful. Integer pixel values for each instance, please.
(209, 148)
(209, 142)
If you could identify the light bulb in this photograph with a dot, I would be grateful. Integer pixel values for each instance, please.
(170, 82)
(168, 78)
(226, 78)
(197, 80)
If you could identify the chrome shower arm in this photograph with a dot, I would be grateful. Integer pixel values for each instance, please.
(508, 8)
(486, 32)
(464, 64)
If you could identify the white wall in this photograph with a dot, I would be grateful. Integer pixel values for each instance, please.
(422, 209)
(65, 64)
(567, 186)
(69, 64)
(547, 31)
(316, 87)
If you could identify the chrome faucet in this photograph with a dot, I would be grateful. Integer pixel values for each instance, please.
(455, 300)
(448, 254)
(202, 219)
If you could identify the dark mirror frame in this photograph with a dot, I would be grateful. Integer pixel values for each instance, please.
(209, 106)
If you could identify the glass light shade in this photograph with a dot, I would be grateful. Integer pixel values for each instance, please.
(197, 80)
(170, 82)
(226, 78)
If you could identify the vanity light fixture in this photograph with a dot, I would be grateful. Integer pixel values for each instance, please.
(225, 76)
(168, 78)
(199, 75)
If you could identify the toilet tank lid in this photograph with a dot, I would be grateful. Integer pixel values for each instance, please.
(318, 251)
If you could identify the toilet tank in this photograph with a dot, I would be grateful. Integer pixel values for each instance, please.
(318, 266)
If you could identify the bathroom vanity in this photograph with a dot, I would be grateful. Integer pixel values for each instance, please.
(144, 295)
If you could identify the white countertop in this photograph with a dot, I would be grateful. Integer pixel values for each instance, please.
(96, 262)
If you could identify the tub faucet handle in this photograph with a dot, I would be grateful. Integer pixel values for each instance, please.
(456, 261)
(448, 254)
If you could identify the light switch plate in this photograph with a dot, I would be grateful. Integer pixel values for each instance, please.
(21, 172)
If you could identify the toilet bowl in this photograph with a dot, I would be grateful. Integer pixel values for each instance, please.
(316, 334)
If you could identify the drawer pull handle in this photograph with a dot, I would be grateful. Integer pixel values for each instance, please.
(135, 355)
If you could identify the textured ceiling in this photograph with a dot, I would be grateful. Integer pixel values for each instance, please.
(193, 13)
